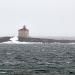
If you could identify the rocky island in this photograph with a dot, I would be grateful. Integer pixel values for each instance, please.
(23, 36)
(32, 39)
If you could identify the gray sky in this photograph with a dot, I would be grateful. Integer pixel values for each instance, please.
(42, 17)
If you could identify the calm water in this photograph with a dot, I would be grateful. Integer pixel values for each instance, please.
(37, 59)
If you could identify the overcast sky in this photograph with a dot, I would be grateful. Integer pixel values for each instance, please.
(42, 17)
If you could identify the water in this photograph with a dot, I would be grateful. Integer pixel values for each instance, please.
(37, 59)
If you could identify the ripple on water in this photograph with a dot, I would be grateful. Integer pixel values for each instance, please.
(38, 58)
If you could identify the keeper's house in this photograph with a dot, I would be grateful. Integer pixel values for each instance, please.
(23, 33)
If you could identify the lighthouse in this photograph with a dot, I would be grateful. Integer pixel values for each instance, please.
(23, 33)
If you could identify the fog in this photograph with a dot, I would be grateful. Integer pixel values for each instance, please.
(42, 17)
